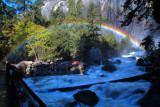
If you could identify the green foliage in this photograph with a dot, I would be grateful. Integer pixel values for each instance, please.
(37, 15)
(92, 13)
(57, 17)
(23, 31)
(113, 43)
(79, 8)
(7, 18)
(56, 43)
(125, 44)
(71, 16)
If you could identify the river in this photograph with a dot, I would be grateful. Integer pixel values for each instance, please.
(120, 94)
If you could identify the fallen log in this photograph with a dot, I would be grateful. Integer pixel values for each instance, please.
(151, 77)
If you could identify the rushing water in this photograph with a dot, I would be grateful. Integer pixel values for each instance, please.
(120, 94)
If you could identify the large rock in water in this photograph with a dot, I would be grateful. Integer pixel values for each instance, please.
(86, 97)
(110, 68)
(118, 61)
(140, 62)
(152, 98)
(95, 56)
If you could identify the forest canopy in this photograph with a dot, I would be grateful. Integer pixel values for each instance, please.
(25, 20)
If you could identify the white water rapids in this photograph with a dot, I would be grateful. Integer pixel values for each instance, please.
(120, 94)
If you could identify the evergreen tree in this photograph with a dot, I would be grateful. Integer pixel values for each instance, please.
(7, 19)
(36, 9)
(72, 10)
(148, 44)
(92, 14)
(57, 17)
(79, 7)
(113, 43)
(100, 18)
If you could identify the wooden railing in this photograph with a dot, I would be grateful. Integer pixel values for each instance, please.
(12, 81)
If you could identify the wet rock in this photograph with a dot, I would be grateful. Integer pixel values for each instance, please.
(102, 76)
(109, 68)
(152, 98)
(117, 62)
(64, 65)
(140, 62)
(107, 62)
(86, 97)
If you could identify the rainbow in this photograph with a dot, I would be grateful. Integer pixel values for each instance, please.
(107, 27)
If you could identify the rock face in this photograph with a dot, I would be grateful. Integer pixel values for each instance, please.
(109, 8)
(140, 62)
(86, 97)
(152, 99)
(95, 56)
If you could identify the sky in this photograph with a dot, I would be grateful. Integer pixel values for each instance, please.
(11, 4)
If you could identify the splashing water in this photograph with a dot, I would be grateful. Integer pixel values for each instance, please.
(120, 94)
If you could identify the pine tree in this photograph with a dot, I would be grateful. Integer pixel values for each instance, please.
(148, 44)
(57, 17)
(79, 7)
(72, 10)
(92, 13)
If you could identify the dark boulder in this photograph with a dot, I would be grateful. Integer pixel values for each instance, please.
(140, 62)
(118, 61)
(110, 68)
(152, 98)
(64, 65)
(107, 62)
(86, 97)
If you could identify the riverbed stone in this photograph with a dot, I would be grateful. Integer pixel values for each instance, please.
(86, 97)
(109, 68)
(140, 62)
(118, 61)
